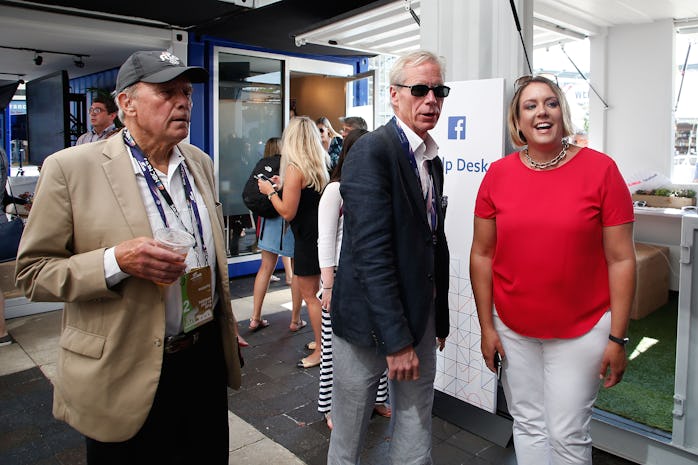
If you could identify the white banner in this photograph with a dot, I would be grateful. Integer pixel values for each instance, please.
(470, 135)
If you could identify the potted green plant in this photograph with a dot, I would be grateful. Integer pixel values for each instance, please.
(666, 197)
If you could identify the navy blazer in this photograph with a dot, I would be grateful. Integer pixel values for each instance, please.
(389, 265)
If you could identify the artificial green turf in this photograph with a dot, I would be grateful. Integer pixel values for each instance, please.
(646, 393)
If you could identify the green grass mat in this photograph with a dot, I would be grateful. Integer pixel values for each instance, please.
(646, 393)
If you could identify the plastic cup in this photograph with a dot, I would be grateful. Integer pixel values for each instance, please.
(176, 240)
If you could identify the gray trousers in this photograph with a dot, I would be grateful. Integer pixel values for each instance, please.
(357, 371)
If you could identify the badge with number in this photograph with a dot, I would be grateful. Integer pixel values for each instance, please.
(197, 298)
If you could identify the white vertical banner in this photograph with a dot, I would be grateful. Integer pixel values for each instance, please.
(470, 135)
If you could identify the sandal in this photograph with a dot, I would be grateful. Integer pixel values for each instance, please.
(297, 325)
(304, 363)
(383, 410)
(310, 346)
(257, 324)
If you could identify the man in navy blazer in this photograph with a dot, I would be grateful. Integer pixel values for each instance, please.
(390, 297)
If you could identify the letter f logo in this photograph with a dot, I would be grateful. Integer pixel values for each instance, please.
(456, 127)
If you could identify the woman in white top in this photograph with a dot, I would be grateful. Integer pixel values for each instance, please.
(330, 224)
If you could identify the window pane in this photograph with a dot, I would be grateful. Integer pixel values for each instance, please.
(250, 111)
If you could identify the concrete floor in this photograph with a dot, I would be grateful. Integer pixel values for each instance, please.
(273, 417)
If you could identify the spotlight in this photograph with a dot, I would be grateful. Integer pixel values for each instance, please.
(38, 59)
(79, 63)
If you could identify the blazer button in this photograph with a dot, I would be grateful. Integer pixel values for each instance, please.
(158, 342)
(430, 276)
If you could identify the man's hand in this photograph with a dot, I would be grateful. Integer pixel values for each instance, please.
(144, 258)
(403, 365)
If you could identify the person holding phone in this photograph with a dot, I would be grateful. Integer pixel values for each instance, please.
(552, 268)
(275, 239)
(303, 175)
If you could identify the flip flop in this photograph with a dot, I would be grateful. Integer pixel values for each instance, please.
(383, 410)
(297, 325)
(256, 325)
(303, 363)
(310, 346)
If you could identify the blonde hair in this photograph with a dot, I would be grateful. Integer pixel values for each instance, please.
(517, 137)
(301, 147)
(397, 72)
(272, 147)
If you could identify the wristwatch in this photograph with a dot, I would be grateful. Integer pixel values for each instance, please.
(272, 194)
(622, 341)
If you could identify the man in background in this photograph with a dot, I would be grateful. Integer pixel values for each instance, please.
(102, 114)
(349, 123)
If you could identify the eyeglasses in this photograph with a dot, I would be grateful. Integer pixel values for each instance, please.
(95, 111)
(548, 78)
(421, 90)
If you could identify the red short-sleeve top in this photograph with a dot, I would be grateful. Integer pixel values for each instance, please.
(550, 276)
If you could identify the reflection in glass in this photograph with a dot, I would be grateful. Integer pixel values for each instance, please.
(250, 111)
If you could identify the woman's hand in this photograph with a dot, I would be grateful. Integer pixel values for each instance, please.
(265, 187)
(326, 299)
(615, 359)
(489, 344)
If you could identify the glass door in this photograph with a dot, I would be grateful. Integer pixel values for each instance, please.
(361, 92)
(250, 111)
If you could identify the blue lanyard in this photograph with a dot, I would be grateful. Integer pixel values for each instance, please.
(409, 153)
(157, 189)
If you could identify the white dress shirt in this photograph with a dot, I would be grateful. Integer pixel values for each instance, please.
(173, 184)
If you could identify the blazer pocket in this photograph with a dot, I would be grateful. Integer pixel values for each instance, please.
(81, 342)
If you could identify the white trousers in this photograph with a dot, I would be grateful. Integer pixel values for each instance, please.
(551, 386)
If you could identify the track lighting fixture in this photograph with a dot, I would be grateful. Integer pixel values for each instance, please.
(39, 59)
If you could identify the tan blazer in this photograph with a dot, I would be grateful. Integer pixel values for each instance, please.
(111, 344)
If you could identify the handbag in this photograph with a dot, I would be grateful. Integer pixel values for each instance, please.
(258, 203)
(10, 234)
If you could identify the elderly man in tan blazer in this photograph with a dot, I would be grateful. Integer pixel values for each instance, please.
(148, 335)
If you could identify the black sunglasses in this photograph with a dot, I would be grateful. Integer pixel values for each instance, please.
(421, 90)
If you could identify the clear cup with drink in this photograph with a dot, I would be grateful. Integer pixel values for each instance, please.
(176, 240)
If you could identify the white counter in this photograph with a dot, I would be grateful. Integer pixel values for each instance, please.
(662, 226)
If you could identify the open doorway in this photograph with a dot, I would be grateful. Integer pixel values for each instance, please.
(333, 97)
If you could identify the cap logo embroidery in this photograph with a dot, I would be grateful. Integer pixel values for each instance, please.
(170, 58)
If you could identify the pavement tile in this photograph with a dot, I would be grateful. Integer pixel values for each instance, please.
(273, 417)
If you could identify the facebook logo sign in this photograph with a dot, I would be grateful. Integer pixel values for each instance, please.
(456, 127)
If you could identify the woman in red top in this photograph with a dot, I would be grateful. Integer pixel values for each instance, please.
(552, 267)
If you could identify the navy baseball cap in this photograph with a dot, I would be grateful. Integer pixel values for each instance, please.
(156, 67)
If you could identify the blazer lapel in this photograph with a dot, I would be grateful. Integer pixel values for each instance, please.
(412, 184)
(118, 170)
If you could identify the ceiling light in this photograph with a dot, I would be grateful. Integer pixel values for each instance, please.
(38, 59)
(79, 63)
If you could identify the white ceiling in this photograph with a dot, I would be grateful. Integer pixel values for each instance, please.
(387, 29)
(107, 43)
(390, 29)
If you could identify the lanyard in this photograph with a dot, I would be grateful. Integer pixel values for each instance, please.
(429, 197)
(157, 189)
